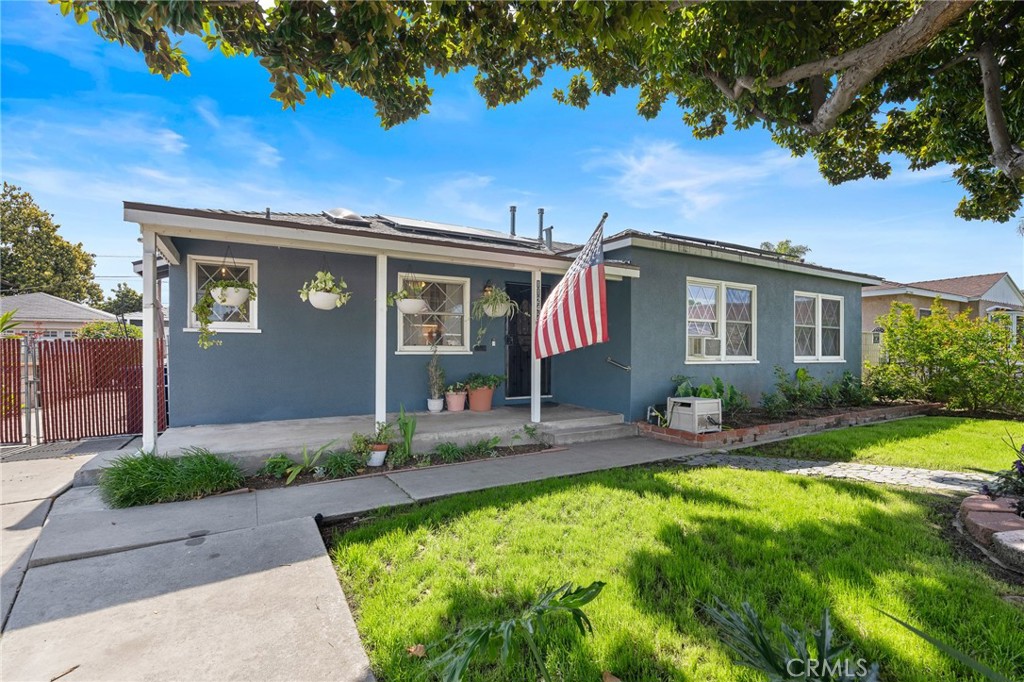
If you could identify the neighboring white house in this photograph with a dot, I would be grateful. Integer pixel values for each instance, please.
(50, 317)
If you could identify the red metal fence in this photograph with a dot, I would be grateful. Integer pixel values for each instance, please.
(11, 423)
(93, 387)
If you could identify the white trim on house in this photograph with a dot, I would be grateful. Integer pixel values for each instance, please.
(736, 257)
(818, 356)
(913, 291)
(269, 234)
(720, 312)
(249, 326)
(380, 343)
(427, 349)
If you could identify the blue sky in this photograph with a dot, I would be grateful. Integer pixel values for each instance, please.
(85, 127)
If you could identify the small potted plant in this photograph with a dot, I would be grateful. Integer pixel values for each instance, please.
(481, 390)
(435, 383)
(494, 302)
(455, 397)
(325, 292)
(379, 443)
(229, 292)
(409, 299)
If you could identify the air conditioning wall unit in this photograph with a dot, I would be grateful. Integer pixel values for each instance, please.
(712, 348)
(695, 415)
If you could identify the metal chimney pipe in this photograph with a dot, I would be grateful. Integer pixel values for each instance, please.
(540, 225)
(512, 219)
(547, 235)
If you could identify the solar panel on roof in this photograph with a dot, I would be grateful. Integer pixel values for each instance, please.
(457, 231)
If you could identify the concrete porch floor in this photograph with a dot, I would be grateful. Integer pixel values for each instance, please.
(252, 443)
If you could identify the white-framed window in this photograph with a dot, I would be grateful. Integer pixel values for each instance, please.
(817, 327)
(721, 321)
(69, 334)
(202, 270)
(444, 322)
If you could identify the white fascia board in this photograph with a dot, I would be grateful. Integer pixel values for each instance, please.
(693, 250)
(216, 229)
(913, 291)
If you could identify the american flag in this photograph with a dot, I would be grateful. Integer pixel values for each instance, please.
(576, 312)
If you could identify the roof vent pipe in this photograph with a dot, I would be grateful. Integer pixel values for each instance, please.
(267, 216)
(512, 220)
(540, 225)
(547, 235)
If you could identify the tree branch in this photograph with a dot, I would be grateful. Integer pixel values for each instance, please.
(1006, 156)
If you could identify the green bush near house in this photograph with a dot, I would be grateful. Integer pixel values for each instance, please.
(145, 478)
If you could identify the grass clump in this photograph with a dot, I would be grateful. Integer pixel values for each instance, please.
(145, 478)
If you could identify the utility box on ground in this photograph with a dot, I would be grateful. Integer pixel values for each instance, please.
(696, 415)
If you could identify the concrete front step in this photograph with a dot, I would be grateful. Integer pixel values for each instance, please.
(587, 434)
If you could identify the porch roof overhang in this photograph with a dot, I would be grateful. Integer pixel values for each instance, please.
(167, 221)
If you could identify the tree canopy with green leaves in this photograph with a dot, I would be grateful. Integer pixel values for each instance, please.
(852, 83)
(35, 258)
(787, 248)
(124, 300)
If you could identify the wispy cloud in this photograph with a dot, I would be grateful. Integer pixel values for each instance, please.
(659, 173)
(237, 134)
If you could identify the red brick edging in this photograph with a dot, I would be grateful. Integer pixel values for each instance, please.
(797, 427)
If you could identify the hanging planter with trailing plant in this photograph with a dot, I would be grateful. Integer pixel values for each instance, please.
(325, 292)
(409, 299)
(227, 292)
(494, 302)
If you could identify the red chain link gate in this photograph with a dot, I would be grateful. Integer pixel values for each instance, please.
(11, 421)
(93, 387)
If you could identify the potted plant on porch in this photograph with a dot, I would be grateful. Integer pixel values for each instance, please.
(435, 383)
(229, 292)
(325, 292)
(494, 302)
(481, 390)
(409, 298)
(379, 443)
(455, 397)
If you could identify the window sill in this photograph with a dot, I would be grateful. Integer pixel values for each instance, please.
(224, 330)
(430, 351)
(817, 361)
(695, 361)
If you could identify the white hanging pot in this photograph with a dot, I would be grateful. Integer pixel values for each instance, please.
(323, 300)
(232, 296)
(411, 306)
(496, 309)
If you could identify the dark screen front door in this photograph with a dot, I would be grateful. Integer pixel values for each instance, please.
(517, 345)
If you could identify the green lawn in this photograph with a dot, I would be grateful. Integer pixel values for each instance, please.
(949, 443)
(663, 538)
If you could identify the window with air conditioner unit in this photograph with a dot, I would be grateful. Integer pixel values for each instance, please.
(721, 321)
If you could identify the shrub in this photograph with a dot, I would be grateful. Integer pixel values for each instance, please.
(1010, 483)
(775, 405)
(733, 400)
(853, 392)
(109, 330)
(966, 363)
(343, 463)
(145, 478)
(276, 466)
(888, 384)
(481, 448)
(801, 391)
(448, 452)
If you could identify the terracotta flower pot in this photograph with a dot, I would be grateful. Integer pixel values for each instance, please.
(377, 453)
(480, 399)
(456, 401)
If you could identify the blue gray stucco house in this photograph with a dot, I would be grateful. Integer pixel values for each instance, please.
(676, 305)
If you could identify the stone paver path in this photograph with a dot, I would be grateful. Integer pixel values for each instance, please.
(952, 481)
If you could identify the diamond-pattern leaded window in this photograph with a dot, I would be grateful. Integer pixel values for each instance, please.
(817, 327)
(443, 322)
(719, 321)
(205, 271)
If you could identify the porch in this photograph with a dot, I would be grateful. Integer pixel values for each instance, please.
(251, 443)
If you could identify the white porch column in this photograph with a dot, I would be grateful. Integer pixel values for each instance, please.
(380, 392)
(535, 296)
(151, 328)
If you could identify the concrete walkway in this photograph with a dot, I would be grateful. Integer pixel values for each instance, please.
(951, 481)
